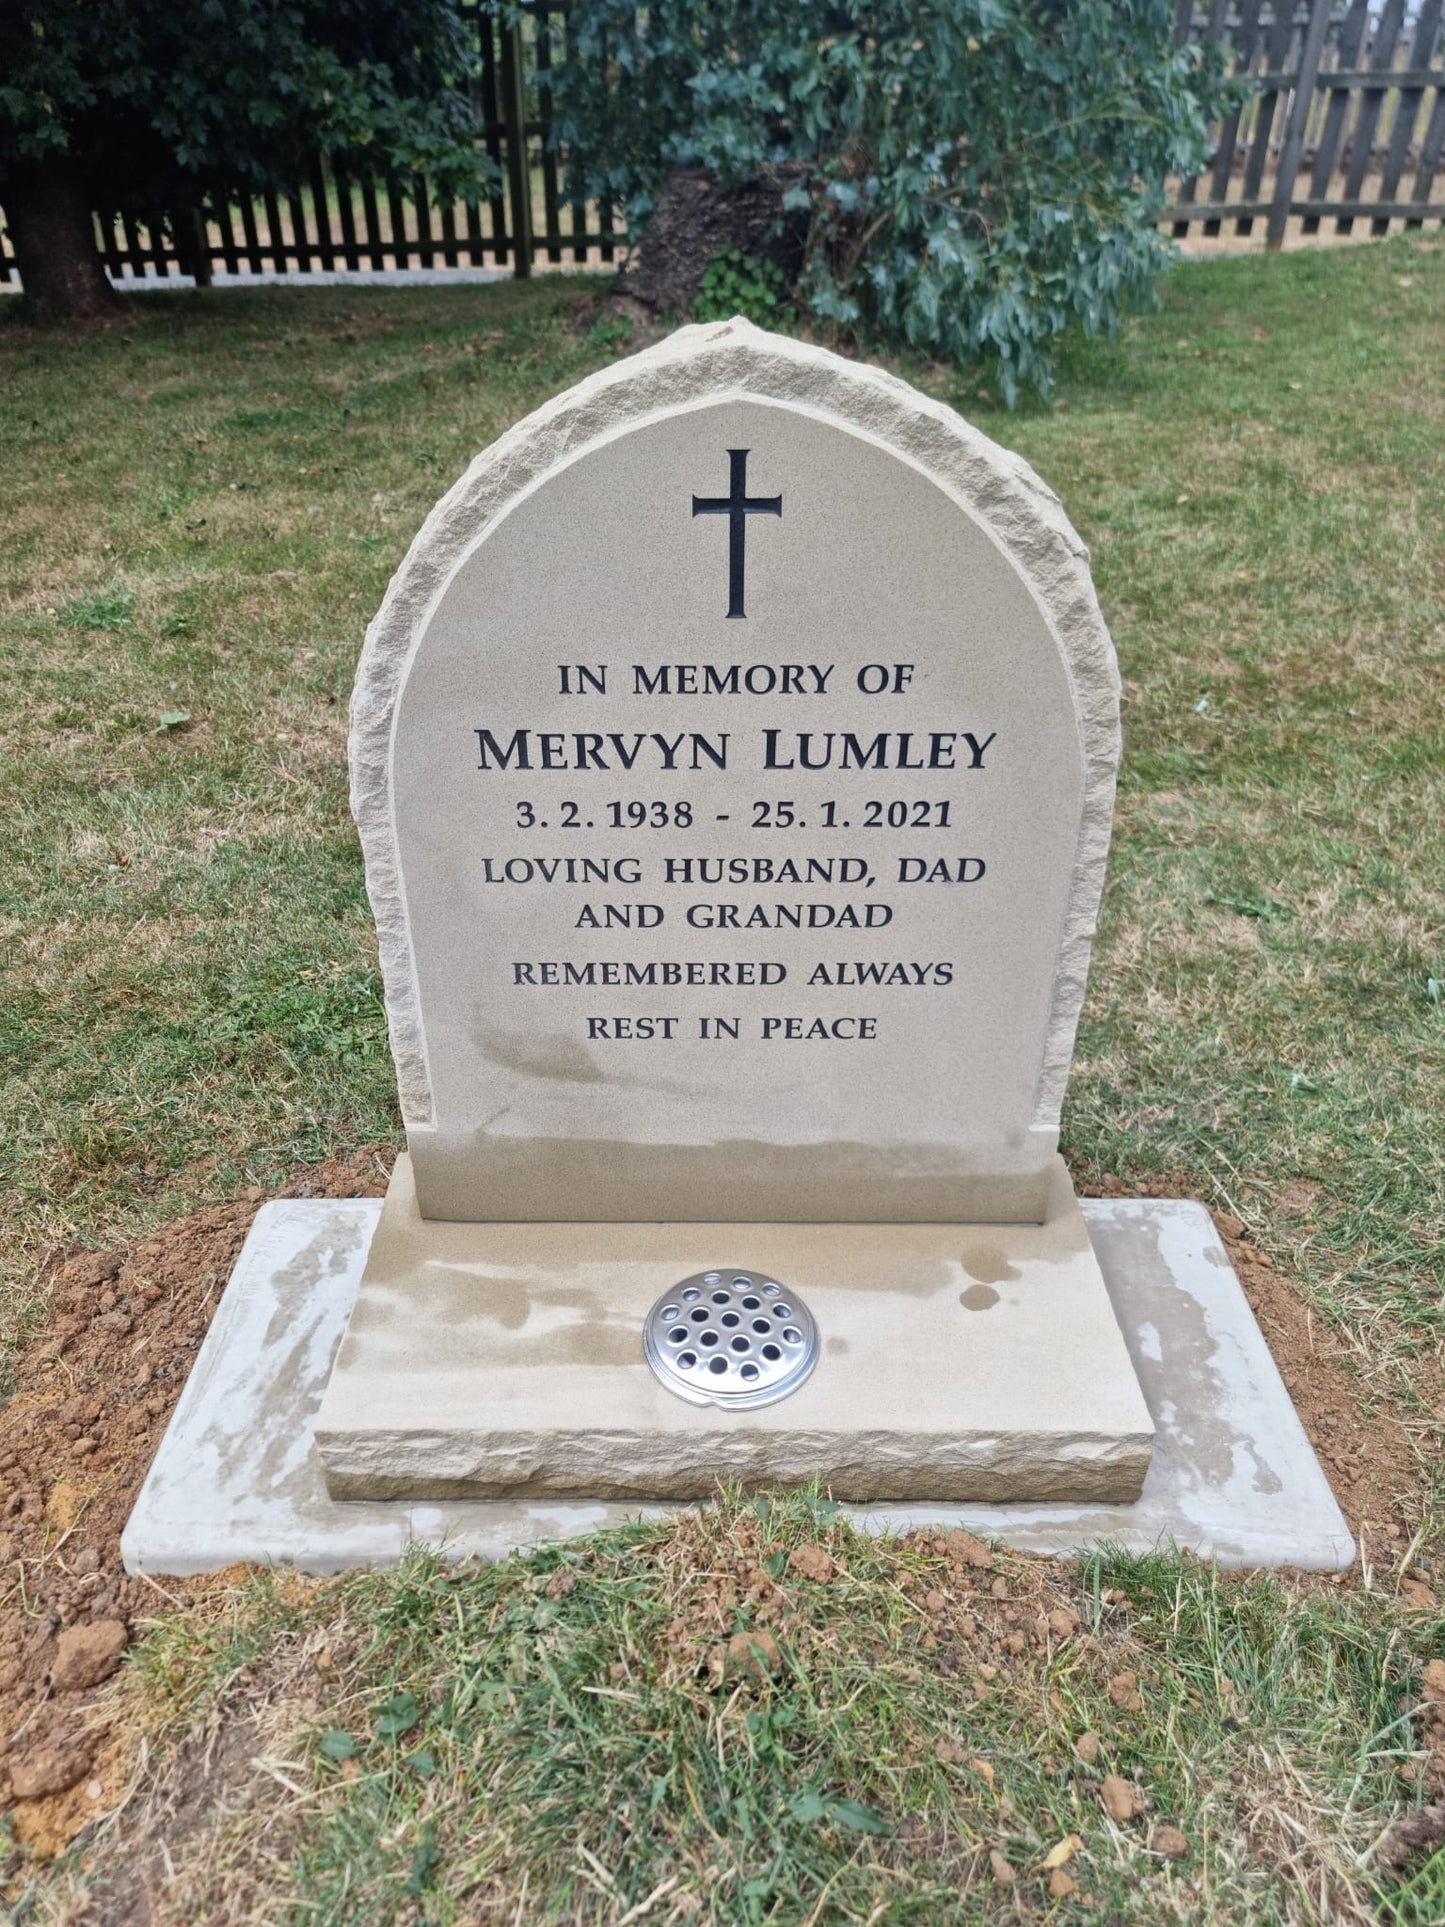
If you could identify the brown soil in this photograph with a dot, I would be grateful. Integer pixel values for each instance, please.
(97, 1393)
(76, 1440)
(1372, 1462)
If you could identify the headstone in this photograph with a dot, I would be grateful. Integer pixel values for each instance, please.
(733, 758)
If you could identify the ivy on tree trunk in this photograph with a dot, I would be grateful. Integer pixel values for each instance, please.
(972, 177)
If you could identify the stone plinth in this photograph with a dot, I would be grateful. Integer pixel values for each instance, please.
(957, 1362)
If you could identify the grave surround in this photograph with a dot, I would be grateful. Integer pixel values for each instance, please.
(733, 757)
(238, 1480)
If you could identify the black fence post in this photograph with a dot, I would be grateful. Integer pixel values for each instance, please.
(519, 173)
(1294, 140)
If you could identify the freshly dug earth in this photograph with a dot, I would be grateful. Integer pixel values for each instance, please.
(1371, 1461)
(76, 1440)
(96, 1394)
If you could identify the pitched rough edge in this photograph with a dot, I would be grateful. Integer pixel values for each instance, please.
(872, 1466)
(713, 362)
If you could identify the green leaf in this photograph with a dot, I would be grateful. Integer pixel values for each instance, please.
(813, 1806)
(110, 611)
(853, 1814)
(337, 1745)
(400, 1714)
(1262, 907)
(423, 1862)
(423, 1762)
(175, 718)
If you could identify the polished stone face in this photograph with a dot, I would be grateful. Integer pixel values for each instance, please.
(734, 786)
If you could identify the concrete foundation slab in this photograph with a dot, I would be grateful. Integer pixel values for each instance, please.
(238, 1479)
(957, 1362)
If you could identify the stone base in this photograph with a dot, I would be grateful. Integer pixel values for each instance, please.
(237, 1478)
(956, 1362)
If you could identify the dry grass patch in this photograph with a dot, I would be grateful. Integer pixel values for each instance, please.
(753, 1714)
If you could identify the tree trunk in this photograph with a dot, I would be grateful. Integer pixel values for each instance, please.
(48, 213)
(696, 219)
(193, 244)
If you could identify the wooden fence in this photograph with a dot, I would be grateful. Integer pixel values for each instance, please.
(1343, 121)
(335, 222)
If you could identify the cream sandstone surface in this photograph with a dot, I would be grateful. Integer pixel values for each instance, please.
(920, 638)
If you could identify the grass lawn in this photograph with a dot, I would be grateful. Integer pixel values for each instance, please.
(200, 512)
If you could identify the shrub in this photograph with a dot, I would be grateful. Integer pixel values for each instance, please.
(977, 174)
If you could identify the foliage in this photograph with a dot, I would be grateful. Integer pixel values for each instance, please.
(734, 283)
(1420, 1902)
(157, 103)
(979, 173)
(110, 610)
